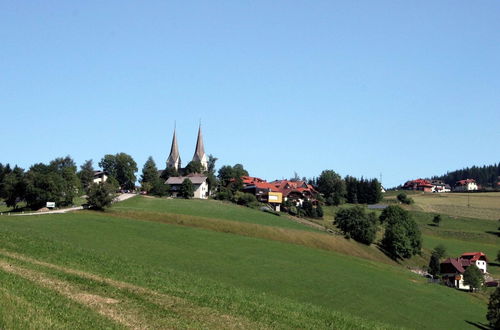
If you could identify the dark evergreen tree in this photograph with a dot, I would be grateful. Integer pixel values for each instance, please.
(86, 174)
(437, 219)
(434, 265)
(493, 315)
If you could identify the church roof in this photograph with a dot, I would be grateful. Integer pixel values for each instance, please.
(200, 148)
(174, 150)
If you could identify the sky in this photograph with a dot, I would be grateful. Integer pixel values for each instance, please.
(402, 89)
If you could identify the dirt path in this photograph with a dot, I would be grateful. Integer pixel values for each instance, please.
(120, 307)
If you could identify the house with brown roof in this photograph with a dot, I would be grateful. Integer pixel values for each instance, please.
(452, 269)
(199, 182)
(295, 191)
(466, 185)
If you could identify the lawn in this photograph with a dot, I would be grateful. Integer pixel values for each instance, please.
(251, 281)
(470, 205)
(208, 209)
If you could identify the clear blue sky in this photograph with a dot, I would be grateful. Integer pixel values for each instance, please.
(404, 88)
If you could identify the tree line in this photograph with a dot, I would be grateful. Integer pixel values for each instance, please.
(486, 176)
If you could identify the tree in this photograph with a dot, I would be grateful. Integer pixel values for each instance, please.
(86, 174)
(122, 167)
(434, 265)
(439, 251)
(13, 186)
(402, 238)
(66, 168)
(493, 315)
(194, 166)
(100, 196)
(169, 172)
(473, 277)
(437, 219)
(149, 172)
(331, 185)
(498, 256)
(187, 189)
(43, 184)
(356, 223)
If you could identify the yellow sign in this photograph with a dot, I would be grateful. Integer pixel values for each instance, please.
(275, 197)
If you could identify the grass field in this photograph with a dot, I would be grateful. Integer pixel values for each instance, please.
(106, 270)
(472, 205)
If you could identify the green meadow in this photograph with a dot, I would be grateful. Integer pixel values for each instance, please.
(170, 268)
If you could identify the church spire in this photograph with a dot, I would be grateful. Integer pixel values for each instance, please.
(199, 153)
(174, 160)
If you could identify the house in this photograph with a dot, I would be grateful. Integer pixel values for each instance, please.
(418, 184)
(100, 176)
(439, 186)
(199, 182)
(295, 191)
(466, 185)
(452, 269)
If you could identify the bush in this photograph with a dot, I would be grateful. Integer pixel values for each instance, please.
(473, 277)
(356, 223)
(493, 315)
(246, 199)
(403, 198)
(100, 195)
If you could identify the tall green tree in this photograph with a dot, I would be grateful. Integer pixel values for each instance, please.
(149, 172)
(43, 184)
(402, 238)
(13, 188)
(122, 167)
(66, 168)
(493, 315)
(434, 265)
(86, 174)
(331, 185)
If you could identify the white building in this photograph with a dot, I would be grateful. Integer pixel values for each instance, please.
(100, 177)
(199, 182)
(466, 185)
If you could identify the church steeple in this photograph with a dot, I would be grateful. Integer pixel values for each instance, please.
(174, 160)
(199, 153)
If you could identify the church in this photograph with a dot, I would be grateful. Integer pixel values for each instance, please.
(199, 180)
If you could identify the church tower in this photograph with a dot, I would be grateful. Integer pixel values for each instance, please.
(174, 160)
(199, 153)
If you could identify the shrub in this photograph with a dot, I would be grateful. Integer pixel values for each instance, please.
(402, 238)
(100, 195)
(403, 198)
(493, 315)
(357, 224)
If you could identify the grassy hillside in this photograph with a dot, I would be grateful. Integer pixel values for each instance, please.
(472, 205)
(128, 272)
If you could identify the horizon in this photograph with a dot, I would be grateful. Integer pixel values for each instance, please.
(403, 90)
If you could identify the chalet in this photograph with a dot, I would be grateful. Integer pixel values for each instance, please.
(439, 186)
(452, 269)
(295, 191)
(199, 182)
(258, 187)
(466, 185)
(418, 184)
(100, 176)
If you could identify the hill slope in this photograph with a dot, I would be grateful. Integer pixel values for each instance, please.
(253, 282)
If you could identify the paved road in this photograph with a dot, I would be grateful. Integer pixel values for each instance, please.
(119, 198)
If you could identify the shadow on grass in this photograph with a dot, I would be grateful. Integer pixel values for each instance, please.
(479, 325)
(432, 225)
(496, 233)
(381, 248)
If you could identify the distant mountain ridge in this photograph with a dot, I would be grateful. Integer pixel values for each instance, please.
(487, 176)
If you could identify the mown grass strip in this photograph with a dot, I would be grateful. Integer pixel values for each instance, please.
(310, 239)
(127, 313)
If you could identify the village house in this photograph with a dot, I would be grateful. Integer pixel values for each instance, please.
(452, 269)
(296, 191)
(466, 185)
(439, 186)
(418, 184)
(100, 176)
(199, 182)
